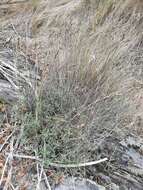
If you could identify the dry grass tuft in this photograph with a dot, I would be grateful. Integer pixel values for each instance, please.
(79, 64)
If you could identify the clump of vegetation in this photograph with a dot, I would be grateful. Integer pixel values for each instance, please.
(57, 126)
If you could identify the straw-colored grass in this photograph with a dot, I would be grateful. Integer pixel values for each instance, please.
(88, 56)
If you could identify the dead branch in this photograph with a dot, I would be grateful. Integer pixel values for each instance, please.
(59, 165)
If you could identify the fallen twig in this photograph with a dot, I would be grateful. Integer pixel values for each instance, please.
(46, 180)
(7, 140)
(25, 157)
(59, 165)
(4, 169)
(39, 175)
(10, 165)
(78, 165)
(12, 187)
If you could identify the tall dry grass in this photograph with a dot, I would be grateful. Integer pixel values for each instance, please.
(89, 56)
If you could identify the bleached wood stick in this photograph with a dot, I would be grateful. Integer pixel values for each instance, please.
(46, 181)
(59, 165)
(78, 165)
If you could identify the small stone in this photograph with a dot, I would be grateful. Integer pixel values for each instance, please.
(113, 186)
(78, 184)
